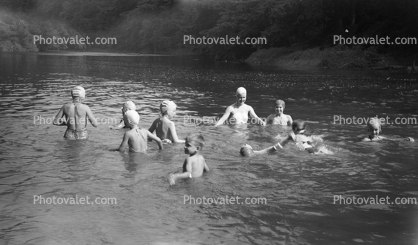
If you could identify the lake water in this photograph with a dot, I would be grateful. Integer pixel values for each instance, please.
(298, 188)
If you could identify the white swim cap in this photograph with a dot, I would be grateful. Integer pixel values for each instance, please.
(167, 106)
(78, 91)
(129, 105)
(241, 90)
(132, 118)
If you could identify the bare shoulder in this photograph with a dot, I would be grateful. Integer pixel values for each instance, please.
(248, 107)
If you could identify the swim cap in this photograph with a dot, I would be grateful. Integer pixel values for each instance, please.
(241, 90)
(246, 150)
(280, 102)
(132, 118)
(167, 106)
(129, 105)
(78, 91)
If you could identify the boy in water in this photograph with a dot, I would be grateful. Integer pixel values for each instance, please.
(297, 136)
(374, 126)
(194, 165)
(279, 118)
(73, 115)
(137, 138)
(164, 127)
(238, 112)
(129, 105)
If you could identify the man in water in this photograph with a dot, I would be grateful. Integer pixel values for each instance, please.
(237, 113)
(74, 115)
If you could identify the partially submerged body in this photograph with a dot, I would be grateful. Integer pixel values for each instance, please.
(75, 115)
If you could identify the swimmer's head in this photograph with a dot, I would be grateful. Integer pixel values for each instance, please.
(299, 126)
(246, 150)
(168, 107)
(194, 142)
(374, 126)
(78, 92)
(410, 139)
(129, 105)
(132, 118)
(241, 95)
(279, 106)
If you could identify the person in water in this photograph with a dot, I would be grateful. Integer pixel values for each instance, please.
(279, 118)
(137, 138)
(297, 135)
(129, 105)
(194, 165)
(164, 127)
(237, 113)
(374, 127)
(74, 115)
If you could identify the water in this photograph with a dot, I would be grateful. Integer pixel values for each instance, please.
(299, 188)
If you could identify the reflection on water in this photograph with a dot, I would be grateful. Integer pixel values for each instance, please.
(298, 187)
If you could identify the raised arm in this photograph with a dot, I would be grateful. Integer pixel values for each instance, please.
(156, 139)
(91, 117)
(174, 136)
(253, 115)
(224, 117)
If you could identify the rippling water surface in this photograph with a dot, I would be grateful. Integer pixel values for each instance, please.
(299, 188)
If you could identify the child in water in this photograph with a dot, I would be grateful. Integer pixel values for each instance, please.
(129, 105)
(194, 165)
(279, 118)
(238, 112)
(74, 115)
(374, 127)
(137, 138)
(297, 135)
(164, 127)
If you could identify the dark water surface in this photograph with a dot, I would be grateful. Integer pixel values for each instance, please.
(299, 188)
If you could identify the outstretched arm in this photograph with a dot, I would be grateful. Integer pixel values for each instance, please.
(253, 115)
(154, 137)
(174, 136)
(270, 149)
(224, 117)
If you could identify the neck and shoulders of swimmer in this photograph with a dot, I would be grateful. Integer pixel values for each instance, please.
(136, 143)
(195, 164)
(68, 111)
(165, 129)
(279, 119)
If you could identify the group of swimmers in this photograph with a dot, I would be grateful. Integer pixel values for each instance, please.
(74, 113)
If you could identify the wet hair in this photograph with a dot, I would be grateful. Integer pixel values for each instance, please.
(280, 102)
(374, 122)
(299, 124)
(197, 139)
(246, 151)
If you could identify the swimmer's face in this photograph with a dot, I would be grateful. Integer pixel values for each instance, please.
(279, 108)
(241, 98)
(374, 130)
(190, 148)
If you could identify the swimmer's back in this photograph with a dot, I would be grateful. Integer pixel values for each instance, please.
(72, 109)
